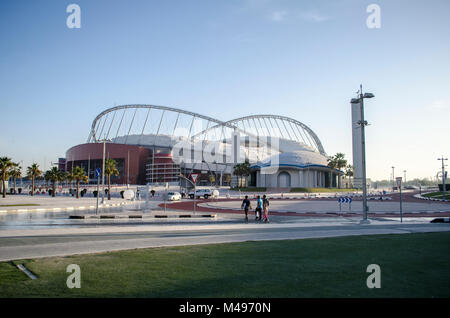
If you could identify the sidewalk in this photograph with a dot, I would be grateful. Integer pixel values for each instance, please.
(46, 203)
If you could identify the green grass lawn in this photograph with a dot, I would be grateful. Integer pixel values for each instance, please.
(412, 265)
(319, 190)
(437, 195)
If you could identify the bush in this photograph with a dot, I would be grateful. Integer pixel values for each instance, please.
(121, 193)
(19, 190)
(95, 192)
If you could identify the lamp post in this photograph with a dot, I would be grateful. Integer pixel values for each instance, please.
(404, 175)
(195, 188)
(363, 123)
(103, 169)
(393, 178)
(443, 176)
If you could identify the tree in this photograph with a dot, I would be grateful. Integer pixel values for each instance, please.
(110, 169)
(331, 162)
(33, 172)
(5, 166)
(338, 162)
(15, 172)
(78, 175)
(47, 176)
(54, 175)
(348, 171)
(242, 170)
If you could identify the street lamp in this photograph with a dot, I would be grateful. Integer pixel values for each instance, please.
(195, 189)
(103, 168)
(393, 178)
(363, 123)
(404, 174)
(443, 176)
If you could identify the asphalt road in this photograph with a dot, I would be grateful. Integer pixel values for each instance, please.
(25, 244)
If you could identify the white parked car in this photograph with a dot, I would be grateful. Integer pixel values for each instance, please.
(205, 193)
(173, 196)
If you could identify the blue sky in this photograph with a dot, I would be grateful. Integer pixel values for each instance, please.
(229, 58)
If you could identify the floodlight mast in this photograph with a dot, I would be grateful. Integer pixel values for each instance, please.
(362, 122)
(443, 176)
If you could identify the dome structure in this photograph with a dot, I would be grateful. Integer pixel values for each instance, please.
(295, 159)
(294, 169)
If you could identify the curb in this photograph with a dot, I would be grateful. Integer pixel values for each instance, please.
(419, 196)
(70, 208)
(157, 216)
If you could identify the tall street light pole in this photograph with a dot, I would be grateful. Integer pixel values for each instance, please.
(393, 178)
(443, 176)
(195, 188)
(404, 174)
(363, 123)
(103, 169)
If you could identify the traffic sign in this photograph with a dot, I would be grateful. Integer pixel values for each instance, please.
(98, 172)
(399, 181)
(194, 177)
(345, 200)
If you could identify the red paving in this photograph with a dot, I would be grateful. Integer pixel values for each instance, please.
(408, 197)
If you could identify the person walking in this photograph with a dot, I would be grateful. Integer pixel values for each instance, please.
(246, 205)
(266, 209)
(258, 210)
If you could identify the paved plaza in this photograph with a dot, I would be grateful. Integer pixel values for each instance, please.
(46, 230)
(305, 206)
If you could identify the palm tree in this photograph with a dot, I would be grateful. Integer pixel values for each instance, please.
(242, 170)
(341, 162)
(67, 176)
(349, 171)
(338, 162)
(332, 165)
(15, 172)
(110, 169)
(331, 162)
(54, 175)
(78, 175)
(33, 172)
(47, 176)
(5, 166)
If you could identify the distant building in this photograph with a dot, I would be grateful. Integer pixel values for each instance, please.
(62, 164)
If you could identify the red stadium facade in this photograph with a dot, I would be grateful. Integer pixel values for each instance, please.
(131, 160)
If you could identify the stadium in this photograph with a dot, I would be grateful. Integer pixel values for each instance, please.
(156, 144)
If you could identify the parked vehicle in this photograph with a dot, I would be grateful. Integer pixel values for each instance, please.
(205, 193)
(173, 196)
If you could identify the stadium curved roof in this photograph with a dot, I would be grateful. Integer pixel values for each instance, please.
(140, 120)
